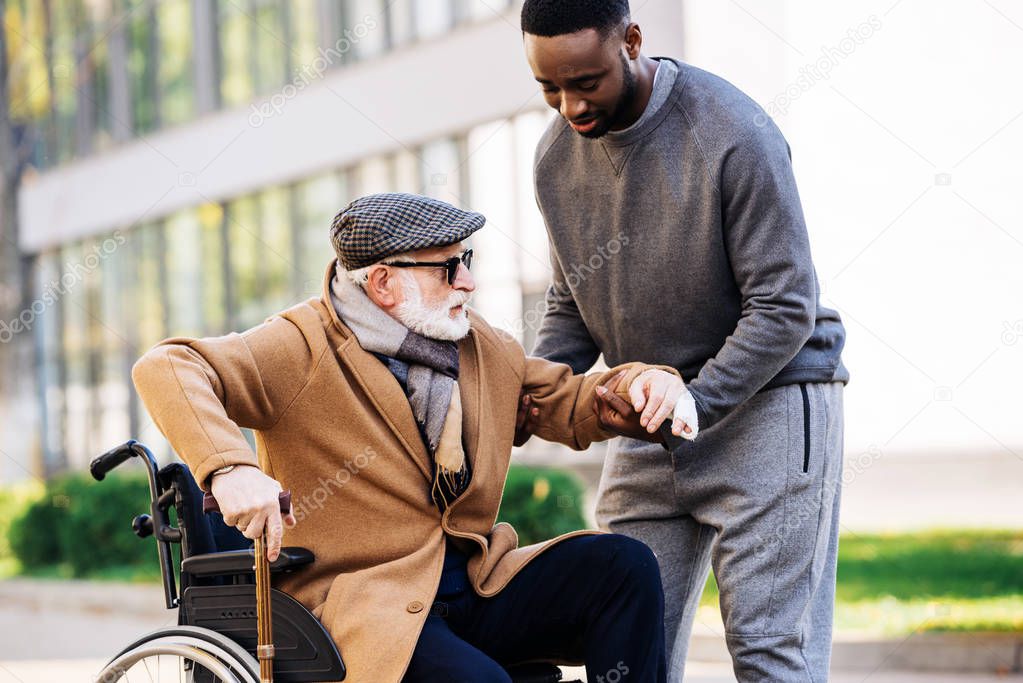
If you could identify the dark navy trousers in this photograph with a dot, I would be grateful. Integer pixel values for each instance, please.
(590, 599)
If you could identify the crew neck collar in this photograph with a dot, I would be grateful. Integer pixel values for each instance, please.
(656, 109)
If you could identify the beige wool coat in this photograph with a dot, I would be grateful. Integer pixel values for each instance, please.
(334, 426)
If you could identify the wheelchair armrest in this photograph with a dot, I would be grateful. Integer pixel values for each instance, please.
(241, 562)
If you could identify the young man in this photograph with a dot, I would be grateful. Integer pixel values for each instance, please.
(715, 278)
(388, 408)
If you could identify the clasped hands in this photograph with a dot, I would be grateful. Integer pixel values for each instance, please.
(653, 397)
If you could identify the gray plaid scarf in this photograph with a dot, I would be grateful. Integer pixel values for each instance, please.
(432, 380)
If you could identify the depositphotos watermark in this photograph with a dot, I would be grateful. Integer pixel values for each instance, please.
(575, 275)
(618, 673)
(312, 71)
(72, 275)
(820, 69)
(319, 495)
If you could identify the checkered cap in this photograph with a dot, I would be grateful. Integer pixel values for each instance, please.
(380, 225)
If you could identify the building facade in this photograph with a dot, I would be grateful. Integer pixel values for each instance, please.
(185, 158)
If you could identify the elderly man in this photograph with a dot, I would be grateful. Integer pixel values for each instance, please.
(388, 408)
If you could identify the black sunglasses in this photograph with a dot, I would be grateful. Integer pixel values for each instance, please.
(451, 265)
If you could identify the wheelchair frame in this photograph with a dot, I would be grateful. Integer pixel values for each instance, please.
(215, 638)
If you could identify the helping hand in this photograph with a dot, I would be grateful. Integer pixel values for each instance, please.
(656, 392)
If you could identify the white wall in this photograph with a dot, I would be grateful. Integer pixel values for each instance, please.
(924, 267)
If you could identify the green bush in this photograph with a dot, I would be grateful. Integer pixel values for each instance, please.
(84, 525)
(14, 501)
(34, 535)
(542, 502)
(81, 527)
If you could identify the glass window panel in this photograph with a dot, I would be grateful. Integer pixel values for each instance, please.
(374, 175)
(407, 177)
(319, 200)
(28, 84)
(149, 298)
(440, 170)
(149, 310)
(113, 379)
(279, 262)
(184, 295)
(531, 234)
(365, 21)
(236, 54)
(214, 274)
(433, 17)
(49, 289)
(246, 262)
(94, 87)
(491, 174)
(401, 22)
(270, 45)
(28, 78)
(76, 357)
(304, 32)
(65, 19)
(174, 19)
(142, 45)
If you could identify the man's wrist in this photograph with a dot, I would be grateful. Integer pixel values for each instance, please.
(223, 470)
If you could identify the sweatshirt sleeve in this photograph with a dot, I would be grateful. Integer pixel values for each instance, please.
(202, 392)
(563, 336)
(769, 250)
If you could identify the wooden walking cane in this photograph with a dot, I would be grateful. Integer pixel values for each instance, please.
(264, 621)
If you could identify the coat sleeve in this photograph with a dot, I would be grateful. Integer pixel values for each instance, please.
(202, 392)
(565, 399)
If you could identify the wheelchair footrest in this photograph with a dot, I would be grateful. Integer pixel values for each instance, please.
(304, 651)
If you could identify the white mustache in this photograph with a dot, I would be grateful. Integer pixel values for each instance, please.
(458, 299)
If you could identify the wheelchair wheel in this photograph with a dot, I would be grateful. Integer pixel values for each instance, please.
(183, 653)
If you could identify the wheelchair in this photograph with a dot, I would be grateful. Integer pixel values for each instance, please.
(213, 591)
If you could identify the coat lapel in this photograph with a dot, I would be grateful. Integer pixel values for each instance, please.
(376, 381)
(387, 398)
(469, 389)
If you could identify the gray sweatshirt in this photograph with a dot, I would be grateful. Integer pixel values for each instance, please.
(681, 241)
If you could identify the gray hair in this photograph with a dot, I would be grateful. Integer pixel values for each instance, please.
(361, 275)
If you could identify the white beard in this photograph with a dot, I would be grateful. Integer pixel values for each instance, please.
(436, 322)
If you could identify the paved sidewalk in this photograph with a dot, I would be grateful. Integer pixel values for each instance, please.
(66, 630)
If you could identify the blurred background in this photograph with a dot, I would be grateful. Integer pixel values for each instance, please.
(171, 167)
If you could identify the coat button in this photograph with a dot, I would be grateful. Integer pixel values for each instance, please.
(415, 606)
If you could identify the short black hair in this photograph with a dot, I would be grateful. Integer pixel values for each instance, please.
(558, 17)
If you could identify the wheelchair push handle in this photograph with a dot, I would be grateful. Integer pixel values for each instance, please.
(111, 459)
(210, 504)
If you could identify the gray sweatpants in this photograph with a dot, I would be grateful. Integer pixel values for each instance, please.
(756, 496)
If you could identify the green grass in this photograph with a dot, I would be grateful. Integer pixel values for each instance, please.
(948, 580)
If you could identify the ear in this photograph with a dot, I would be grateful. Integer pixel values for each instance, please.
(633, 40)
(383, 287)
